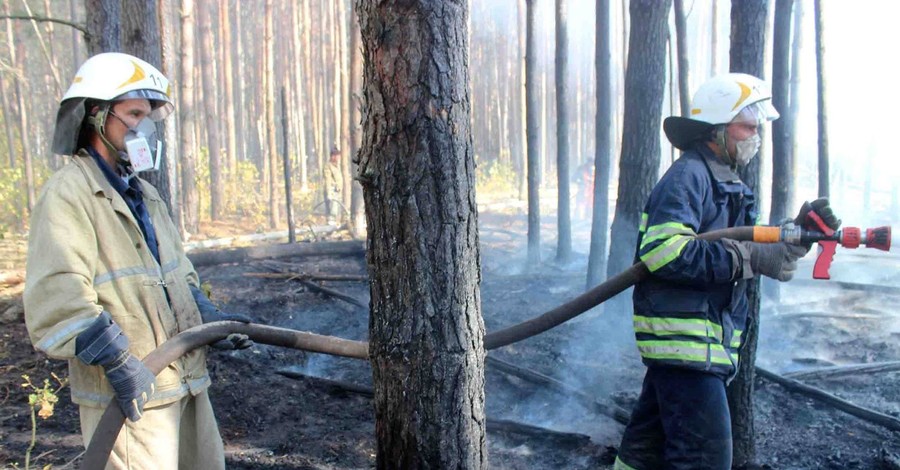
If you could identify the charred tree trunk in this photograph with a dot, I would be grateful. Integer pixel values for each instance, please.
(794, 101)
(782, 129)
(216, 181)
(190, 199)
(683, 64)
(824, 186)
(747, 54)
(357, 208)
(418, 173)
(534, 156)
(271, 154)
(602, 155)
(644, 90)
(103, 18)
(563, 213)
(169, 57)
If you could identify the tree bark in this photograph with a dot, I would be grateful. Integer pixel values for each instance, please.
(189, 152)
(782, 128)
(228, 119)
(418, 173)
(344, 123)
(684, 70)
(644, 90)
(210, 94)
(747, 55)
(299, 100)
(521, 101)
(357, 206)
(269, 82)
(824, 187)
(602, 149)
(18, 60)
(534, 156)
(563, 214)
(169, 59)
(103, 23)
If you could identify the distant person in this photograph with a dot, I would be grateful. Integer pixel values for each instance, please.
(690, 315)
(334, 182)
(584, 197)
(107, 278)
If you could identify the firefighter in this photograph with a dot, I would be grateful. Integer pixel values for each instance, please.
(108, 280)
(691, 313)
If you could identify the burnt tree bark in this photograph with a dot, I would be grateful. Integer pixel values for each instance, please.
(357, 208)
(782, 129)
(644, 89)
(531, 131)
(563, 215)
(103, 18)
(602, 155)
(418, 173)
(747, 54)
(190, 204)
(824, 187)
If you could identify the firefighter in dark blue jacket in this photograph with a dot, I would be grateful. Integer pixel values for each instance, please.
(690, 314)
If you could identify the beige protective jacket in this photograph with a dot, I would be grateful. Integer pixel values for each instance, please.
(86, 254)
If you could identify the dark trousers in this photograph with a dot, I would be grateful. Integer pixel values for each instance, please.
(681, 421)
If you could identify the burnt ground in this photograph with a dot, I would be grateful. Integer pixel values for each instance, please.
(269, 421)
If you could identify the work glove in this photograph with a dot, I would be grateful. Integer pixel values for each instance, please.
(210, 313)
(775, 260)
(821, 207)
(104, 344)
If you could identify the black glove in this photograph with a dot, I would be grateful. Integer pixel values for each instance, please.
(210, 313)
(775, 260)
(104, 344)
(822, 209)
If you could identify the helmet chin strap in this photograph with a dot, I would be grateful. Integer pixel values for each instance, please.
(98, 122)
(721, 142)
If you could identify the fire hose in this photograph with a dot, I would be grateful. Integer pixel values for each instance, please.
(110, 424)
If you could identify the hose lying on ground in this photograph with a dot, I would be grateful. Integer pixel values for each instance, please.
(111, 422)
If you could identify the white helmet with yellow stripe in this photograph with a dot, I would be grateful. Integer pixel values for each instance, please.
(107, 77)
(717, 102)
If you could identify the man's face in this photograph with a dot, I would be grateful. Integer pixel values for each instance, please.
(738, 130)
(127, 113)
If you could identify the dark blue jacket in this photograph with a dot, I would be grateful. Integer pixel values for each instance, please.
(691, 311)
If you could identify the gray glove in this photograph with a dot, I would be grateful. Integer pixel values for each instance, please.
(210, 313)
(104, 344)
(823, 209)
(775, 260)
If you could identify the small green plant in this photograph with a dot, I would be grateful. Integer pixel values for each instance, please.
(41, 402)
(495, 177)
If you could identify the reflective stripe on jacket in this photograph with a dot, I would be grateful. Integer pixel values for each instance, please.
(86, 254)
(690, 312)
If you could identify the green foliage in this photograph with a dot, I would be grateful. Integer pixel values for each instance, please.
(495, 177)
(12, 198)
(242, 194)
(41, 401)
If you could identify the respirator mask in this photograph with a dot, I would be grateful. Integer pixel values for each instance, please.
(142, 147)
(746, 149)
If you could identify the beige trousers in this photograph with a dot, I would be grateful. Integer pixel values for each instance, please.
(179, 436)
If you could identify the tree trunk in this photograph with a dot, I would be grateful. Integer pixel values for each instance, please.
(747, 55)
(794, 107)
(18, 60)
(344, 124)
(357, 209)
(714, 44)
(644, 90)
(169, 59)
(683, 64)
(602, 154)
(77, 35)
(521, 106)
(210, 94)
(228, 119)
(9, 96)
(299, 101)
(534, 156)
(418, 168)
(824, 187)
(563, 214)
(190, 199)
(782, 129)
(271, 146)
(103, 24)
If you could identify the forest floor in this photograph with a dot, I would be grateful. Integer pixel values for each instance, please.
(269, 421)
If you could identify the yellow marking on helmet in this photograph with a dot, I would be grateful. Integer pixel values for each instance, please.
(696, 111)
(77, 79)
(169, 89)
(137, 76)
(745, 92)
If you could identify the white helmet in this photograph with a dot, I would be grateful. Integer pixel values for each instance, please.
(110, 76)
(719, 101)
(724, 96)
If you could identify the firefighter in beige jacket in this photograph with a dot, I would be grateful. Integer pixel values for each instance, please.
(107, 278)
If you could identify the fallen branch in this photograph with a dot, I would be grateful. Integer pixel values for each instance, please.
(537, 432)
(336, 294)
(338, 385)
(842, 371)
(864, 413)
(242, 255)
(310, 276)
(613, 411)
